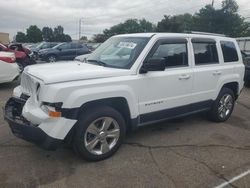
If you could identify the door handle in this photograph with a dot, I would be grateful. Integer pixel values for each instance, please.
(217, 73)
(184, 77)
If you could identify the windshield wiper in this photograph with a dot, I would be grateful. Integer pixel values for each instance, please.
(97, 62)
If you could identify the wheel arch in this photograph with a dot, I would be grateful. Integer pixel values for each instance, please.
(234, 86)
(118, 103)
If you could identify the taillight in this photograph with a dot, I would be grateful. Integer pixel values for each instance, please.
(8, 59)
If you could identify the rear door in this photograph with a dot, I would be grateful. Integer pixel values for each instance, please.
(208, 69)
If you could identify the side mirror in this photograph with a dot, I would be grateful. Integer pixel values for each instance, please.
(60, 49)
(153, 65)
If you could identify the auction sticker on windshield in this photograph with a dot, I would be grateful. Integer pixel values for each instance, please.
(129, 45)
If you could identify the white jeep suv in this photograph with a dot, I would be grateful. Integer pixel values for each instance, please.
(129, 81)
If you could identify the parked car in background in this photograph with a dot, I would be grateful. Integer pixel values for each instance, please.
(20, 48)
(244, 44)
(9, 70)
(63, 51)
(30, 46)
(93, 46)
(44, 45)
(82, 58)
(246, 60)
(22, 54)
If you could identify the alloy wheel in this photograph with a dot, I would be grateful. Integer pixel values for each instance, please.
(102, 135)
(225, 106)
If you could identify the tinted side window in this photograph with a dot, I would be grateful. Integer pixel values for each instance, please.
(174, 54)
(74, 46)
(205, 53)
(229, 51)
(65, 46)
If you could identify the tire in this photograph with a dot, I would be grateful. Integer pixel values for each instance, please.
(247, 84)
(223, 106)
(51, 58)
(90, 131)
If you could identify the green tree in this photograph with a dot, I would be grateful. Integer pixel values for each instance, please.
(84, 38)
(21, 37)
(99, 38)
(178, 23)
(59, 36)
(225, 20)
(48, 34)
(146, 26)
(67, 38)
(34, 34)
(230, 6)
(58, 30)
(129, 26)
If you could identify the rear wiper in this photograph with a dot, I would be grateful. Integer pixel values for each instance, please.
(97, 62)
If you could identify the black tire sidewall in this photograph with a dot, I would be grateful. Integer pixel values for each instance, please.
(85, 120)
(214, 111)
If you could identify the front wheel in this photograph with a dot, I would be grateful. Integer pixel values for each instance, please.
(99, 133)
(223, 106)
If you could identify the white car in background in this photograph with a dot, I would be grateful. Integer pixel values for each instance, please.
(82, 58)
(9, 70)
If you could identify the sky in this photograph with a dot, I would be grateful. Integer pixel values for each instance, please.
(96, 15)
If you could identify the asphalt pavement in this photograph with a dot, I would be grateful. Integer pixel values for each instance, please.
(189, 152)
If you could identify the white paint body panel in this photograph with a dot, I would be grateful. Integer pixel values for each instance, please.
(76, 83)
(8, 71)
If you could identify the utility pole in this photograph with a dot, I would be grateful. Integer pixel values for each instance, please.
(80, 27)
(212, 3)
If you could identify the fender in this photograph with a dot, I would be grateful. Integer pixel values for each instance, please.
(80, 97)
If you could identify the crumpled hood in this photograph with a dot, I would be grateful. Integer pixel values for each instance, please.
(72, 71)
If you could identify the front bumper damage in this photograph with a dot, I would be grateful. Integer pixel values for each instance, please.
(25, 129)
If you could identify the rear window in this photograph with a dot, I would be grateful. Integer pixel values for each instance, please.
(205, 53)
(229, 51)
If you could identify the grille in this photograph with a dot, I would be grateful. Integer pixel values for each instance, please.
(26, 84)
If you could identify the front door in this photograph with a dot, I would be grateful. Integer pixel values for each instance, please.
(166, 94)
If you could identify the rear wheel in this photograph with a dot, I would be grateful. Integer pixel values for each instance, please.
(99, 133)
(223, 106)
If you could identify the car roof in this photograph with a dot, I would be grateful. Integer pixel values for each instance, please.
(186, 35)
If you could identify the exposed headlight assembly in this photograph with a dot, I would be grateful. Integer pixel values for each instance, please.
(52, 109)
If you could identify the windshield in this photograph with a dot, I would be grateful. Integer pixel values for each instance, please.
(118, 52)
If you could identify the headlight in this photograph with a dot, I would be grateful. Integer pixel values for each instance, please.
(52, 109)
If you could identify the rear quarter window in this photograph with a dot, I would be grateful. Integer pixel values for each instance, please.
(229, 51)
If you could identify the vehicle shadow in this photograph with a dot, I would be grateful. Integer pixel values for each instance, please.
(9, 85)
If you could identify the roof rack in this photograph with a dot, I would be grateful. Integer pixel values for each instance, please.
(206, 33)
